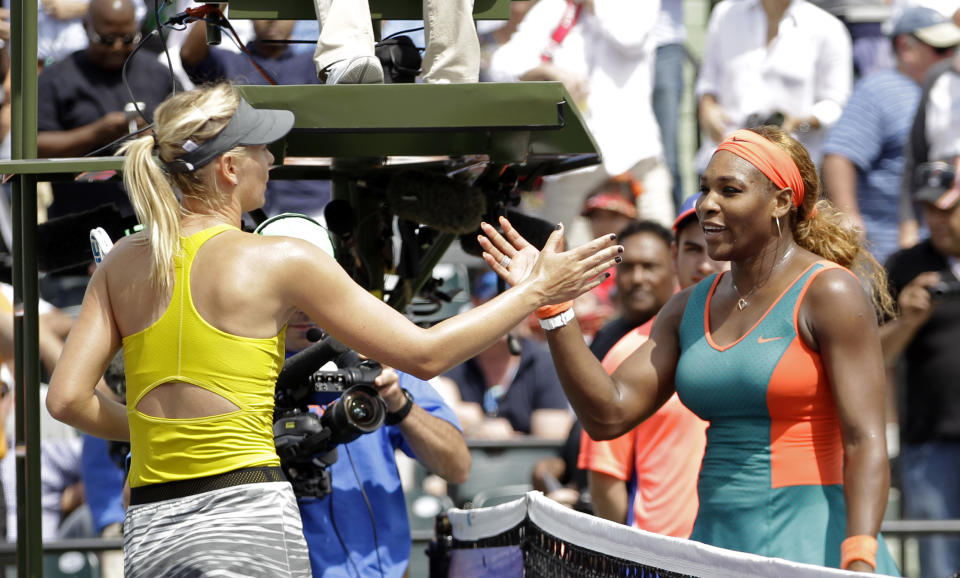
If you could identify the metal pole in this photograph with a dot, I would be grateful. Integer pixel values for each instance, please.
(23, 70)
(27, 388)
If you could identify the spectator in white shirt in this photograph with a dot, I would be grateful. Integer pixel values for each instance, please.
(773, 58)
(605, 59)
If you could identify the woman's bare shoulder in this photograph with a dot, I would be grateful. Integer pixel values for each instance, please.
(129, 255)
(837, 300)
(836, 285)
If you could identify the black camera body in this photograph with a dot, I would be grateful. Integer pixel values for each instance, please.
(946, 289)
(936, 175)
(760, 119)
(306, 438)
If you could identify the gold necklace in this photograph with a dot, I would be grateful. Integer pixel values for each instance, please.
(742, 301)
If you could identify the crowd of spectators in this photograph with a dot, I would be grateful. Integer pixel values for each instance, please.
(874, 100)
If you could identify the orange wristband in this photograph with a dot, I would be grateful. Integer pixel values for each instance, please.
(862, 547)
(548, 311)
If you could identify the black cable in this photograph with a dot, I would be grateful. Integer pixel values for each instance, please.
(373, 520)
(393, 42)
(123, 74)
(157, 9)
(336, 531)
(136, 133)
(398, 33)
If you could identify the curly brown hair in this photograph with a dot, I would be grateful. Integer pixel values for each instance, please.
(818, 226)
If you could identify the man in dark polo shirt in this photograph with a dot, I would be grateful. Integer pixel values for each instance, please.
(925, 340)
(81, 101)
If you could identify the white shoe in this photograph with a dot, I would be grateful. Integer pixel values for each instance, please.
(356, 70)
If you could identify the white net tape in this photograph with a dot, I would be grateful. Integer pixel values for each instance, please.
(550, 540)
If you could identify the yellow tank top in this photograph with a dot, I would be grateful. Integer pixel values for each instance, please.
(182, 347)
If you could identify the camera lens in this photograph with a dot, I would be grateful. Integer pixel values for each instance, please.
(358, 411)
(361, 410)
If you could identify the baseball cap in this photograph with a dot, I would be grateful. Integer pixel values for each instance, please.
(687, 210)
(937, 184)
(249, 126)
(929, 26)
(614, 202)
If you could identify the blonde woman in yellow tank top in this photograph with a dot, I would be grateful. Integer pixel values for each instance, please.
(200, 307)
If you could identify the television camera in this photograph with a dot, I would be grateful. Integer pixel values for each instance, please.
(307, 435)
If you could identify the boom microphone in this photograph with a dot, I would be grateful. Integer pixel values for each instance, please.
(299, 367)
(437, 201)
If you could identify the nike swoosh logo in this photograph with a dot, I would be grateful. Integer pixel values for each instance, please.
(767, 339)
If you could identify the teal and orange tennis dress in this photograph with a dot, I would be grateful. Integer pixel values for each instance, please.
(771, 482)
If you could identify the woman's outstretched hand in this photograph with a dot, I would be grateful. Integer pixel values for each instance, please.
(560, 275)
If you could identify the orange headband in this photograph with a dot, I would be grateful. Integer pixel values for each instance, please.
(769, 159)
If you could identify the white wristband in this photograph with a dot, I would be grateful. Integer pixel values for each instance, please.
(557, 321)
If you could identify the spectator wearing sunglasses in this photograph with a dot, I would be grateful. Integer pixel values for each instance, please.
(84, 104)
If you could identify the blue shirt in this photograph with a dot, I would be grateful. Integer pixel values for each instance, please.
(102, 483)
(872, 133)
(370, 459)
(288, 67)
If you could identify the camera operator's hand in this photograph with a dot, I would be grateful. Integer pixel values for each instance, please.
(388, 388)
(916, 305)
(915, 302)
(712, 118)
(559, 275)
(799, 125)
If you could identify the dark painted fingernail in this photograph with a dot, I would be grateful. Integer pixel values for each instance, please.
(606, 275)
(620, 249)
(618, 259)
(613, 237)
(559, 226)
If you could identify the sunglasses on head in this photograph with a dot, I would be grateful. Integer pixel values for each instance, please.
(111, 39)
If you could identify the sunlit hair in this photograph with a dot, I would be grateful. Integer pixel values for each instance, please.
(197, 115)
(819, 227)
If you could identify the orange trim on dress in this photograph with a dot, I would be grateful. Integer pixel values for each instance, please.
(713, 288)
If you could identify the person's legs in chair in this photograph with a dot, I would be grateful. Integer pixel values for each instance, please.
(345, 48)
(453, 50)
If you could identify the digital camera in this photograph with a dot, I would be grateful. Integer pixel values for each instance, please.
(307, 435)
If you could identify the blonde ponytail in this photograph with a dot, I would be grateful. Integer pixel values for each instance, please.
(196, 116)
(156, 206)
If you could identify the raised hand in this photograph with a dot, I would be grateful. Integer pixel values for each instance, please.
(560, 275)
(513, 257)
(388, 388)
